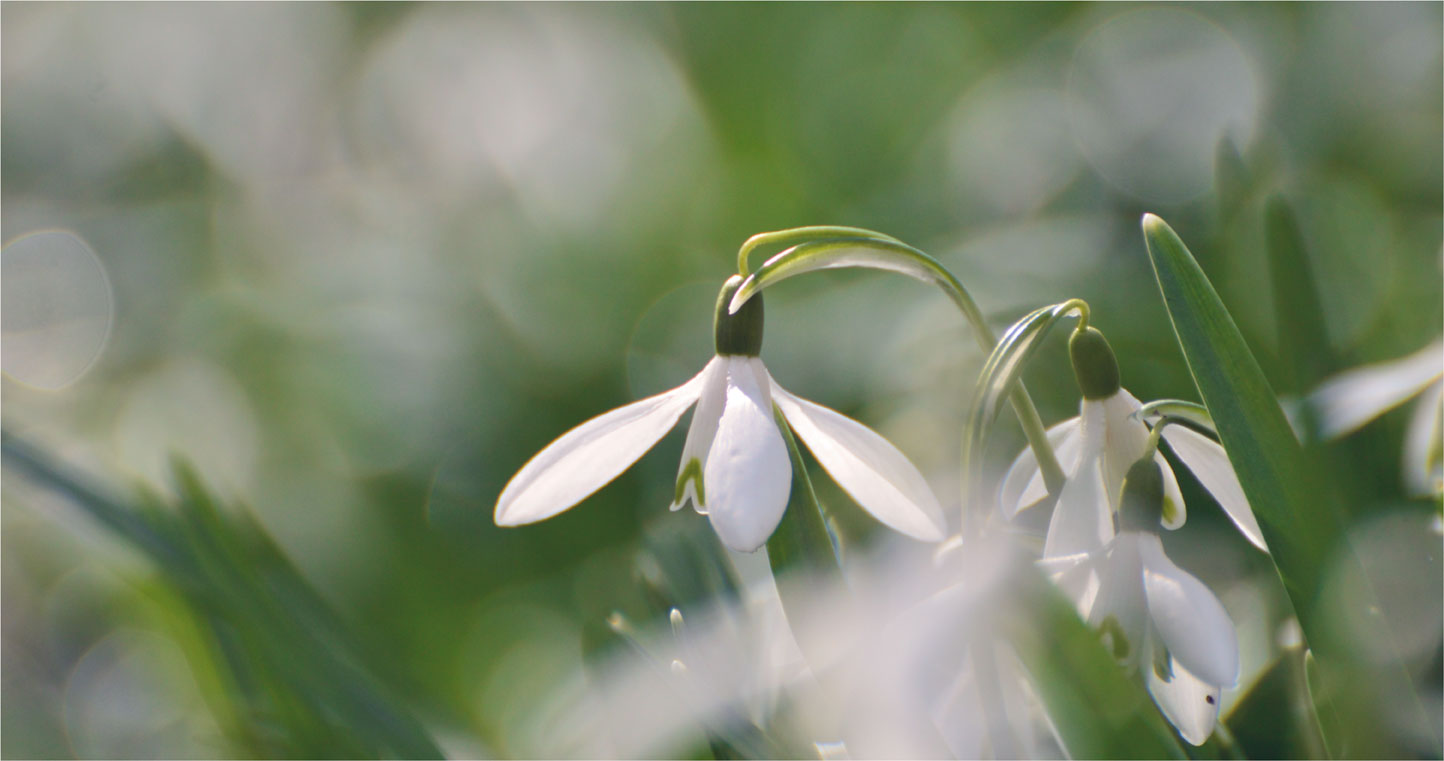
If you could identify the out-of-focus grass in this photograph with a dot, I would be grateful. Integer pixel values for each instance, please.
(366, 259)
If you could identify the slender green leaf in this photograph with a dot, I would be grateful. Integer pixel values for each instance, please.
(1295, 507)
(295, 672)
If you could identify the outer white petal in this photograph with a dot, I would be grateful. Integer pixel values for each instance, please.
(747, 473)
(589, 456)
(1082, 521)
(1172, 519)
(703, 429)
(1422, 472)
(1120, 598)
(1125, 440)
(1189, 703)
(872, 471)
(1349, 400)
(1023, 485)
(1188, 617)
(1208, 462)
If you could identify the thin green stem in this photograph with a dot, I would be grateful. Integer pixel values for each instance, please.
(1028, 417)
(788, 237)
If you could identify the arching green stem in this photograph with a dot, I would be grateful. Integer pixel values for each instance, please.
(1001, 377)
(853, 247)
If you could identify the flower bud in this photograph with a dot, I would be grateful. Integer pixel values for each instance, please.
(1094, 365)
(741, 333)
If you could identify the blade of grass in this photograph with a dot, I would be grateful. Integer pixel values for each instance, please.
(1295, 506)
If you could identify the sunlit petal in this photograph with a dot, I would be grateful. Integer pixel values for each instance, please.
(699, 436)
(1024, 483)
(1208, 462)
(1174, 511)
(1347, 401)
(747, 474)
(1081, 521)
(1125, 441)
(1188, 617)
(589, 456)
(1423, 468)
(1119, 612)
(871, 470)
(1189, 703)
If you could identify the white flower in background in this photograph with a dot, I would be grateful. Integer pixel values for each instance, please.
(1348, 401)
(1153, 614)
(1096, 449)
(735, 465)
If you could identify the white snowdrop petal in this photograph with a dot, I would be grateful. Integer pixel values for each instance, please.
(1023, 485)
(1189, 703)
(1174, 511)
(589, 456)
(747, 474)
(1208, 462)
(870, 469)
(1347, 401)
(1082, 520)
(1422, 472)
(1125, 440)
(711, 398)
(1120, 612)
(1188, 617)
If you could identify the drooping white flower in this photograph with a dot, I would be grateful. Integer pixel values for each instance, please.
(1348, 401)
(1096, 449)
(735, 465)
(1154, 615)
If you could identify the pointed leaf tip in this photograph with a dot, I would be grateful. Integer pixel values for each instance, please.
(1154, 225)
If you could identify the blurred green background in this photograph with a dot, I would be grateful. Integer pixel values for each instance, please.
(359, 262)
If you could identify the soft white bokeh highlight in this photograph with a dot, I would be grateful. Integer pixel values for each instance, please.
(57, 308)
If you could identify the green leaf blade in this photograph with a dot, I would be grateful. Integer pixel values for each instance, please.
(1298, 513)
(1300, 524)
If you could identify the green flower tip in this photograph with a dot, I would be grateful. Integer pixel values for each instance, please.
(738, 334)
(1142, 505)
(1094, 365)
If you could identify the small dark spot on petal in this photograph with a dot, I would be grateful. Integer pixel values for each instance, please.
(1209, 699)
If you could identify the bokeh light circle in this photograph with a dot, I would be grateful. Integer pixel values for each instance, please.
(57, 310)
(1151, 93)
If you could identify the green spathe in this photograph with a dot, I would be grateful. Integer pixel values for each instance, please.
(1093, 364)
(738, 334)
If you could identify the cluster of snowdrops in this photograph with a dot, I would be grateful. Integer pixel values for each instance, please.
(1100, 481)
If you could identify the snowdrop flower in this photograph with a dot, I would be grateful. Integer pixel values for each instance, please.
(1349, 400)
(735, 465)
(1154, 615)
(1097, 448)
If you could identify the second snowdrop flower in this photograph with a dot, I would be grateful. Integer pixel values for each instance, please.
(1097, 448)
(735, 465)
(1154, 615)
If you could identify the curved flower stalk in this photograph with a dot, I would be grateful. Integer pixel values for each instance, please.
(735, 466)
(1350, 400)
(1154, 615)
(1097, 448)
(822, 248)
